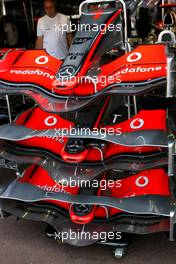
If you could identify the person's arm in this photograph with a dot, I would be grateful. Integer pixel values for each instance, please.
(69, 39)
(39, 40)
(39, 43)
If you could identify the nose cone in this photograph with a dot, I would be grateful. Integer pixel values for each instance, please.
(82, 214)
(74, 152)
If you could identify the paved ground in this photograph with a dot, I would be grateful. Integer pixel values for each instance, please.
(24, 242)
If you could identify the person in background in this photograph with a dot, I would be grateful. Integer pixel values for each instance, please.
(10, 32)
(53, 32)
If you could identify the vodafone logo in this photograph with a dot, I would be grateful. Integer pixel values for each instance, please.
(50, 121)
(142, 181)
(41, 60)
(136, 56)
(137, 123)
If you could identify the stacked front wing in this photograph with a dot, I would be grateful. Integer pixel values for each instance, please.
(96, 157)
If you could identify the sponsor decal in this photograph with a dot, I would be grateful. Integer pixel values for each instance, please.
(66, 71)
(50, 121)
(81, 40)
(51, 189)
(41, 60)
(142, 181)
(137, 123)
(33, 72)
(140, 70)
(136, 56)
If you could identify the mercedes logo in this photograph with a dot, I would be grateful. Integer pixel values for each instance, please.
(66, 71)
(82, 208)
